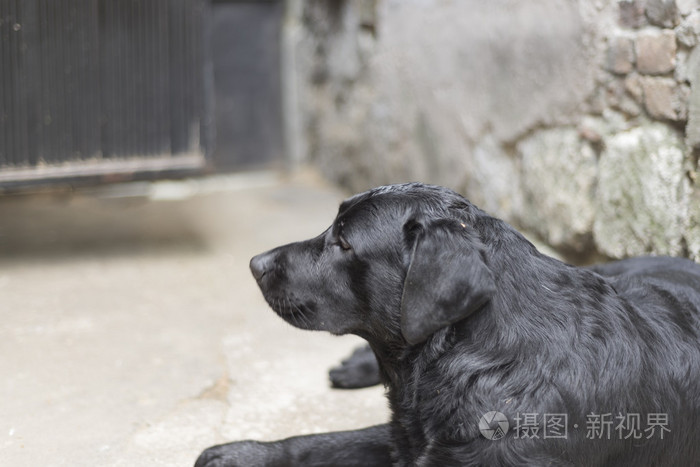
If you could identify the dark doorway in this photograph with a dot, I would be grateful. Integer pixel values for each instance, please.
(246, 46)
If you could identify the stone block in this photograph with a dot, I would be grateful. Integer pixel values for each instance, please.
(559, 173)
(664, 98)
(685, 7)
(620, 55)
(692, 129)
(682, 99)
(658, 97)
(631, 13)
(633, 85)
(687, 32)
(642, 193)
(493, 179)
(618, 98)
(656, 52)
(692, 230)
(663, 13)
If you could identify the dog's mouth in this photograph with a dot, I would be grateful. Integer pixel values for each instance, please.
(297, 314)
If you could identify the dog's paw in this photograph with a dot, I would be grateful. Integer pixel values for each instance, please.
(343, 377)
(238, 454)
(360, 370)
(215, 456)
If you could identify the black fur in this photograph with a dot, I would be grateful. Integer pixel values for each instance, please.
(360, 370)
(465, 317)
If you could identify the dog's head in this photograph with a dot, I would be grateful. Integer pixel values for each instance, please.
(397, 264)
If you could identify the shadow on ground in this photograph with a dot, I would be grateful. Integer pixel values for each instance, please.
(95, 223)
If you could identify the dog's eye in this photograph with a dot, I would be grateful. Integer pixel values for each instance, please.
(342, 243)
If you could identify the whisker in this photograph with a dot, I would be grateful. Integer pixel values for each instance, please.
(302, 315)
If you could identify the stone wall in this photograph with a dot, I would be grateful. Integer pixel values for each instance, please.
(576, 120)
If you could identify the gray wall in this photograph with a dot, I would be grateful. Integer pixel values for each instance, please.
(576, 120)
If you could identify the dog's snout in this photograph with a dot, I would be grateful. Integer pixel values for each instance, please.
(261, 264)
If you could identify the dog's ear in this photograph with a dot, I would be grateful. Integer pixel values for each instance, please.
(447, 278)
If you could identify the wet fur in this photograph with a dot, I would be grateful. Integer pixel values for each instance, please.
(465, 316)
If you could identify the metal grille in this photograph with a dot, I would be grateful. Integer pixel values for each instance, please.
(87, 83)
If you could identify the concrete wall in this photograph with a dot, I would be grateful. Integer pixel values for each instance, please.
(576, 120)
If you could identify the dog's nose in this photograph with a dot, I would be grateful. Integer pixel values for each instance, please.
(261, 264)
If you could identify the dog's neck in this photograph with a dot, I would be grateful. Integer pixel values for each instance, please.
(399, 362)
(388, 358)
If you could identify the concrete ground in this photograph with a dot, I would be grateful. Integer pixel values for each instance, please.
(132, 333)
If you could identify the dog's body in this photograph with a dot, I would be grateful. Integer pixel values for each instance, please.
(466, 318)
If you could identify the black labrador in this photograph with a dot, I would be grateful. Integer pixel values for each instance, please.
(492, 353)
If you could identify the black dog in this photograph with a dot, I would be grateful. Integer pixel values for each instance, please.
(493, 354)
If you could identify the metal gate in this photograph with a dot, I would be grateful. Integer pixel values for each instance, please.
(108, 89)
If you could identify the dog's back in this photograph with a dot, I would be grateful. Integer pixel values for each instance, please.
(664, 268)
(663, 285)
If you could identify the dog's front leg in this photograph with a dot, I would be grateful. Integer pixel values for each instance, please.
(366, 447)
